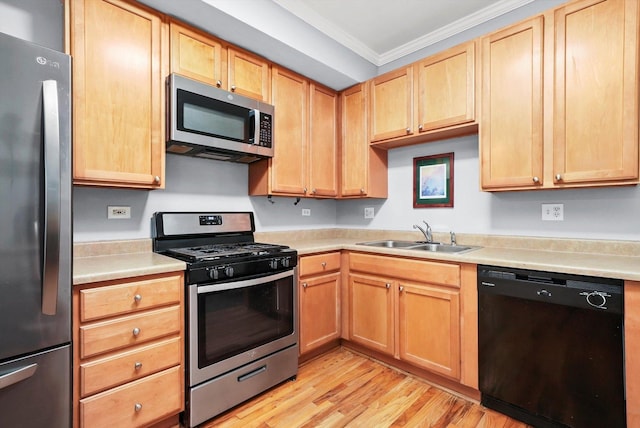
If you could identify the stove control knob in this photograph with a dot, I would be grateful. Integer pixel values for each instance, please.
(286, 262)
(213, 273)
(273, 264)
(228, 271)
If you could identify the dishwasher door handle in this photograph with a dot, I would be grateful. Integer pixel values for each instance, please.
(544, 293)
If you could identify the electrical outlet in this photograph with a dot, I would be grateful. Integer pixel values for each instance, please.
(368, 212)
(306, 212)
(553, 212)
(121, 212)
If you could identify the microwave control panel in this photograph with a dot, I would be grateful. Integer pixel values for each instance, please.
(266, 130)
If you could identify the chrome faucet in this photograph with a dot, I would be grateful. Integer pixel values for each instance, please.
(425, 231)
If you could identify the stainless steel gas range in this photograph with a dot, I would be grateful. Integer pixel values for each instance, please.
(241, 308)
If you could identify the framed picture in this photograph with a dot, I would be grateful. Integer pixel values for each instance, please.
(433, 181)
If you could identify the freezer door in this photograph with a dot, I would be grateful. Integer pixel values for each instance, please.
(35, 196)
(35, 391)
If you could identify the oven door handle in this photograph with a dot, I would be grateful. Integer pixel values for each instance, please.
(202, 289)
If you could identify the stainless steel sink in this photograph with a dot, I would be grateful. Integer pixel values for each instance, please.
(420, 245)
(444, 248)
(390, 243)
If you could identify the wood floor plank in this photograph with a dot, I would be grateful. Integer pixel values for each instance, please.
(343, 389)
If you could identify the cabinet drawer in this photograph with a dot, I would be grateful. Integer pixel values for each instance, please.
(130, 330)
(319, 263)
(101, 302)
(135, 404)
(416, 270)
(128, 366)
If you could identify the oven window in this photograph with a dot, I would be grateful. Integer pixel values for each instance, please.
(208, 116)
(234, 321)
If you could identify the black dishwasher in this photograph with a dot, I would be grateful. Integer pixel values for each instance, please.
(551, 349)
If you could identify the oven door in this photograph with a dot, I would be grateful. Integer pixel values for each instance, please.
(234, 323)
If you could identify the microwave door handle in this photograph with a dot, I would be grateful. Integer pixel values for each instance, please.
(51, 241)
(255, 123)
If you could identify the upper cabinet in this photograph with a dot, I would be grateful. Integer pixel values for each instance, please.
(575, 70)
(119, 51)
(364, 168)
(305, 140)
(431, 99)
(200, 56)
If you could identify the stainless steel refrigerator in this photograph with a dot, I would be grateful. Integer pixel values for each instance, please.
(35, 235)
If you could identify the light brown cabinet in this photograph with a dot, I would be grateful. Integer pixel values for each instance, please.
(200, 56)
(415, 320)
(573, 69)
(430, 99)
(128, 351)
(119, 51)
(319, 300)
(305, 140)
(364, 168)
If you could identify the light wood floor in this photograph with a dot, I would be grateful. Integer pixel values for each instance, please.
(344, 389)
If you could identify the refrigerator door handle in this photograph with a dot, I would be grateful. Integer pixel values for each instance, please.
(17, 375)
(51, 245)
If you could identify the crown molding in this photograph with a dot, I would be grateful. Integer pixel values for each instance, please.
(312, 18)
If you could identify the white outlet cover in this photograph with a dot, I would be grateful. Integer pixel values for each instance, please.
(553, 212)
(369, 212)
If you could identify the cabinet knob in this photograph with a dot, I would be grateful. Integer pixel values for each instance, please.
(219, 83)
(137, 298)
(387, 285)
(408, 130)
(156, 179)
(305, 285)
(536, 179)
(362, 191)
(136, 331)
(558, 177)
(137, 407)
(233, 88)
(313, 191)
(401, 288)
(137, 365)
(420, 127)
(304, 190)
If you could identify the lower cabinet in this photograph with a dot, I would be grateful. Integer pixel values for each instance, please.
(128, 351)
(319, 300)
(413, 310)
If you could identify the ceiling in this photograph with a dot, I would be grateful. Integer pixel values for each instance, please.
(343, 42)
(383, 30)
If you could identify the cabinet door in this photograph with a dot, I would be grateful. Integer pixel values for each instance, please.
(511, 132)
(197, 55)
(249, 75)
(118, 53)
(429, 325)
(371, 313)
(355, 144)
(391, 105)
(319, 311)
(323, 141)
(446, 88)
(596, 121)
(289, 164)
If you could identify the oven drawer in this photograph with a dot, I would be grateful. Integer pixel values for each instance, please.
(128, 366)
(130, 296)
(135, 404)
(319, 263)
(100, 337)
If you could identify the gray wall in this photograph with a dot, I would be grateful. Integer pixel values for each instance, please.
(39, 21)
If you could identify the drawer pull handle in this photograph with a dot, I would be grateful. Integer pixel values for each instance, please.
(305, 285)
(136, 331)
(387, 285)
(401, 288)
(137, 407)
(138, 365)
(137, 298)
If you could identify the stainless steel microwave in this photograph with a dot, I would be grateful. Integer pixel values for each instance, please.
(208, 122)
